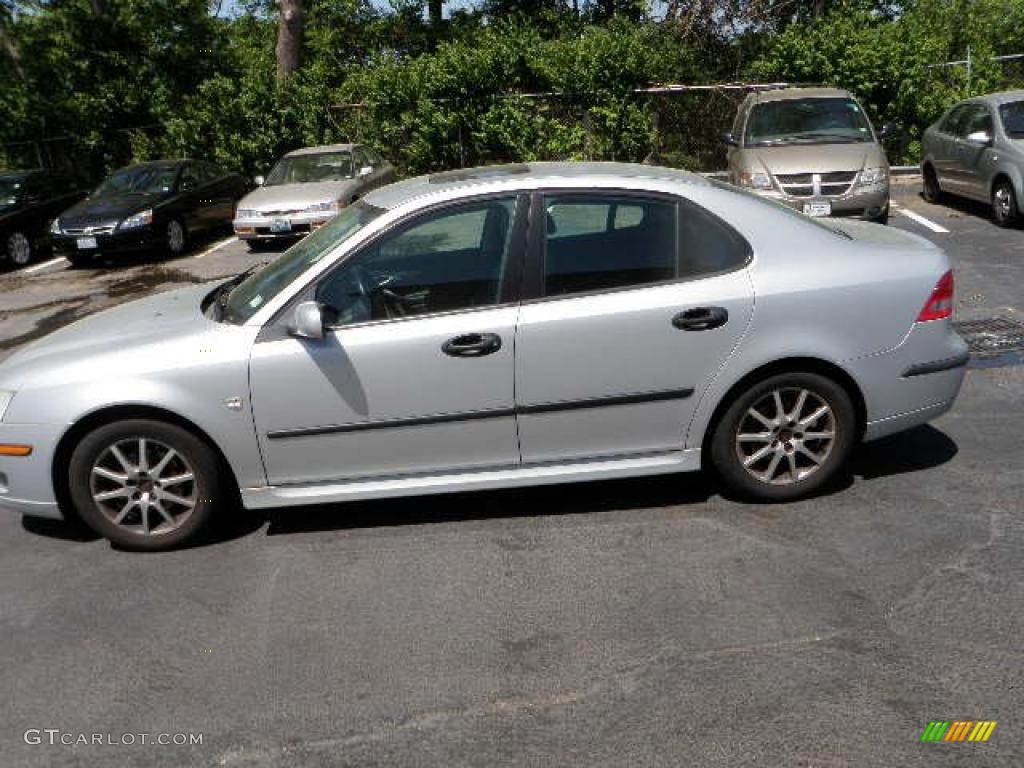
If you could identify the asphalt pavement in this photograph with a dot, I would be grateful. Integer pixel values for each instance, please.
(647, 622)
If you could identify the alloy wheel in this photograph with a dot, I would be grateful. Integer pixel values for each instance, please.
(1002, 202)
(786, 436)
(144, 485)
(175, 237)
(19, 249)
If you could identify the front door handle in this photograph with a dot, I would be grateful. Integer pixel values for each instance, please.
(472, 345)
(701, 318)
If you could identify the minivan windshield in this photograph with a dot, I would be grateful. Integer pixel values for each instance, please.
(301, 169)
(807, 121)
(261, 286)
(1012, 115)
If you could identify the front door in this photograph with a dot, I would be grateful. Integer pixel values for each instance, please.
(415, 374)
(640, 300)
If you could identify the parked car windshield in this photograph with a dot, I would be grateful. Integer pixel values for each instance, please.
(1012, 115)
(260, 287)
(141, 180)
(807, 121)
(10, 185)
(300, 169)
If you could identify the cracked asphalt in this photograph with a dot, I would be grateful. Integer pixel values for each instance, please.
(647, 622)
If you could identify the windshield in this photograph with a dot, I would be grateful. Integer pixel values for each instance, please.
(9, 189)
(299, 169)
(144, 180)
(260, 287)
(1012, 115)
(807, 121)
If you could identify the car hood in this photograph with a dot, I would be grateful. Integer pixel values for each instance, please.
(293, 197)
(814, 158)
(108, 208)
(121, 332)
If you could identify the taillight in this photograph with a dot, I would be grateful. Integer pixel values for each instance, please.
(940, 303)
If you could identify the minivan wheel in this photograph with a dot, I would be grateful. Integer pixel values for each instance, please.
(145, 485)
(19, 249)
(784, 437)
(931, 191)
(1004, 204)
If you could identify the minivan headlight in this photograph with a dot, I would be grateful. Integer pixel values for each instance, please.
(871, 176)
(755, 180)
(6, 395)
(140, 219)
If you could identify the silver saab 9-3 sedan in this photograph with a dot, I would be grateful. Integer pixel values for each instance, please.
(488, 328)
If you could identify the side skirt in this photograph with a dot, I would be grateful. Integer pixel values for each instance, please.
(415, 485)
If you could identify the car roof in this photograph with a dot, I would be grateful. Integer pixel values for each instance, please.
(997, 98)
(786, 94)
(323, 148)
(157, 164)
(525, 176)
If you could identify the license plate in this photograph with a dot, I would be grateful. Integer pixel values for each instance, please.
(280, 225)
(818, 209)
(85, 243)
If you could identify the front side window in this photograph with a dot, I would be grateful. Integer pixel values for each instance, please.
(1012, 116)
(977, 120)
(807, 121)
(602, 242)
(448, 260)
(307, 168)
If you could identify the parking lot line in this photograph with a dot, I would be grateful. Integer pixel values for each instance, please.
(44, 265)
(217, 246)
(920, 219)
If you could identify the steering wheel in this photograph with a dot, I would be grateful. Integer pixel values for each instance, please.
(394, 303)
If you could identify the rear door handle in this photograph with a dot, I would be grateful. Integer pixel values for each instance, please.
(472, 345)
(701, 318)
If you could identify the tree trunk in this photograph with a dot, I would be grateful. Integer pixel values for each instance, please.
(434, 11)
(289, 37)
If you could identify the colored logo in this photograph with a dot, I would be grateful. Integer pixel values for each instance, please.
(958, 730)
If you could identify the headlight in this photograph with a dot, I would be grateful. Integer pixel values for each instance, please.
(55, 227)
(246, 213)
(871, 176)
(141, 219)
(755, 180)
(6, 396)
(330, 205)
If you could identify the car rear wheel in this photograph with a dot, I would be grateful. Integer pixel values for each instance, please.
(19, 249)
(174, 237)
(145, 485)
(1004, 204)
(784, 437)
(931, 190)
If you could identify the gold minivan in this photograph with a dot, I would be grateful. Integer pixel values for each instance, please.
(813, 149)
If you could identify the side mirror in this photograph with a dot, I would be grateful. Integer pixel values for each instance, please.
(730, 140)
(981, 138)
(187, 185)
(258, 180)
(308, 321)
(366, 170)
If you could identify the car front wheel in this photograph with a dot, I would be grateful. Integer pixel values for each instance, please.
(1004, 204)
(784, 437)
(145, 485)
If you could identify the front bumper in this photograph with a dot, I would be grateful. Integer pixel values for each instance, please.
(118, 241)
(26, 482)
(867, 202)
(273, 227)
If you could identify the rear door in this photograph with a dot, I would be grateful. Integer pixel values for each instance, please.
(636, 301)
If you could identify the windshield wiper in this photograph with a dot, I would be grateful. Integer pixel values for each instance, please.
(223, 291)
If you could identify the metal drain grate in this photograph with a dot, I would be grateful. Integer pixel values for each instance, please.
(992, 335)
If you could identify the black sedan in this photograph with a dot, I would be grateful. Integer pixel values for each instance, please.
(150, 206)
(28, 202)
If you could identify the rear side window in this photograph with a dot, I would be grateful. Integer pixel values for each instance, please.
(604, 242)
(601, 242)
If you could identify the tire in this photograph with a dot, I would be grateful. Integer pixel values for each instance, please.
(19, 248)
(256, 246)
(771, 477)
(931, 191)
(883, 219)
(137, 497)
(79, 261)
(1005, 212)
(175, 237)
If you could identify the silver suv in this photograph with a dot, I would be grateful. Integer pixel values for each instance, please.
(976, 150)
(813, 149)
